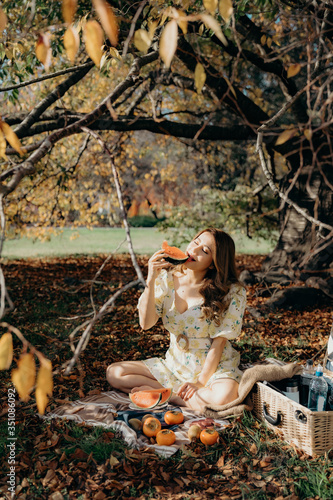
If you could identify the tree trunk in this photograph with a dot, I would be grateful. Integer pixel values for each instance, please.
(298, 248)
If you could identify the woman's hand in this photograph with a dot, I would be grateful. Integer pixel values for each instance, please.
(188, 389)
(155, 264)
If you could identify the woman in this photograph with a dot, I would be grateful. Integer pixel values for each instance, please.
(201, 304)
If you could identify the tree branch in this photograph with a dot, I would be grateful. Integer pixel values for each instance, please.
(28, 167)
(46, 77)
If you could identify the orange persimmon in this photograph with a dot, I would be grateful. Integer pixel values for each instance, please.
(151, 426)
(209, 436)
(165, 437)
(173, 417)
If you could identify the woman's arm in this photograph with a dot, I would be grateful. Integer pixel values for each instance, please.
(147, 310)
(187, 390)
(212, 360)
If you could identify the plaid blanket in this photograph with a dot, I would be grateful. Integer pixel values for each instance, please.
(113, 409)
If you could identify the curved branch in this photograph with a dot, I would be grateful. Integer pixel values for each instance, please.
(28, 167)
(45, 77)
(235, 132)
(58, 92)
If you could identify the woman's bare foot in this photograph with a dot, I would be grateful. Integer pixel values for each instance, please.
(143, 388)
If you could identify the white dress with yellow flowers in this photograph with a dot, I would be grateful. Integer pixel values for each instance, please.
(191, 337)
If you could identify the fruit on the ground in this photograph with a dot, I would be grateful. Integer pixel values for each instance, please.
(194, 432)
(135, 423)
(173, 417)
(174, 255)
(151, 426)
(145, 399)
(209, 436)
(165, 437)
(150, 398)
(148, 415)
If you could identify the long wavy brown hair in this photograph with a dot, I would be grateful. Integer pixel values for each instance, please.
(219, 277)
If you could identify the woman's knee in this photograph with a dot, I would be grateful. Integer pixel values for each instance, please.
(114, 373)
(224, 392)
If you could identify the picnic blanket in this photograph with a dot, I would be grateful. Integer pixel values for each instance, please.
(113, 409)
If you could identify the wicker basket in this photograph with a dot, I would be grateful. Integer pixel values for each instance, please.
(308, 430)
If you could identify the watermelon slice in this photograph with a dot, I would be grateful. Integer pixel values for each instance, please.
(150, 399)
(174, 255)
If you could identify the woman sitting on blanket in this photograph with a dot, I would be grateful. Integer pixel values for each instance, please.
(201, 304)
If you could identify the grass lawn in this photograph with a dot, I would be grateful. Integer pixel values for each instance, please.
(108, 240)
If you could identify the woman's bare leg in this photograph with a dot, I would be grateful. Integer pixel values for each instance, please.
(220, 392)
(129, 375)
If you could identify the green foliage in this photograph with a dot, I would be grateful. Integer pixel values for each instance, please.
(143, 221)
(229, 210)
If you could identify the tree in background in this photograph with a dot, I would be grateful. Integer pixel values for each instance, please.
(254, 72)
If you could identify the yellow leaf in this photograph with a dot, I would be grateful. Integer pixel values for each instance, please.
(167, 13)
(11, 136)
(107, 19)
(269, 42)
(181, 20)
(168, 42)
(68, 9)
(308, 134)
(293, 70)
(199, 77)
(3, 20)
(3, 145)
(142, 40)
(6, 351)
(24, 376)
(285, 136)
(71, 42)
(94, 39)
(44, 386)
(43, 50)
(152, 28)
(226, 9)
(263, 39)
(213, 25)
(210, 5)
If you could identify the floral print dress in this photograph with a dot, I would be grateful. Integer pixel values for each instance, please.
(191, 337)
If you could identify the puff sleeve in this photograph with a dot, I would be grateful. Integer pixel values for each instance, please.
(161, 290)
(232, 318)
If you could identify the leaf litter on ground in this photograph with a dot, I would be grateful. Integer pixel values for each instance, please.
(62, 460)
